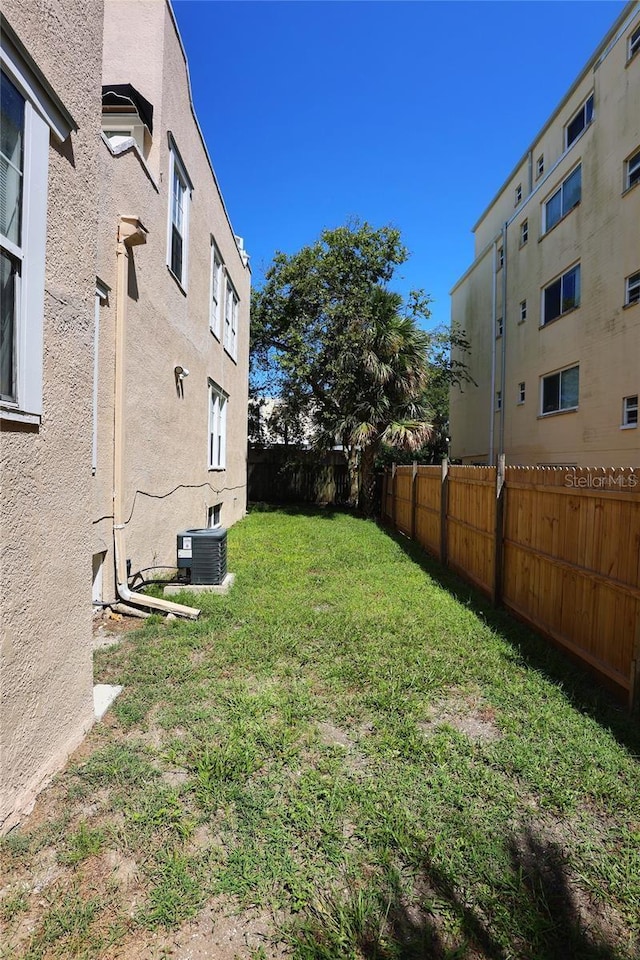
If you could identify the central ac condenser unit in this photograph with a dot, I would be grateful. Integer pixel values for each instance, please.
(203, 555)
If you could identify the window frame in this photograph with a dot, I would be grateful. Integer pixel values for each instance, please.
(629, 409)
(560, 409)
(630, 171)
(632, 285)
(574, 269)
(560, 189)
(499, 327)
(524, 232)
(498, 401)
(518, 195)
(539, 166)
(230, 338)
(178, 169)
(522, 389)
(587, 105)
(633, 46)
(217, 427)
(523, 311)
(45, 116)
(216, 306)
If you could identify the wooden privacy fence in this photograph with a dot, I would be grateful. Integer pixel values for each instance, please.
(560, 547)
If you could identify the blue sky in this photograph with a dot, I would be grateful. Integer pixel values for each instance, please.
(411, 113)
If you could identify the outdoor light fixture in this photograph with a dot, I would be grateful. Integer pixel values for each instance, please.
(181, 372)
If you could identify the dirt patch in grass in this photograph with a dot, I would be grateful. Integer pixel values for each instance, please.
(472, 717)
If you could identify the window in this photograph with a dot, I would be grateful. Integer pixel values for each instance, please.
(178, 233)
(632, 171)
(214, 516)
(579, 122)
(518, 198)
(231, 321)
(560, 390)
(30, 114)
(499, 327)
(630, 411)
(500, 257)
(634, 43)
(215, 313)
(632, 289)
(217, 427)
(524, 232)
(523, 311)
(521, 392)
(563, 200)
(498, 399)
(562, 295)
(540, 166)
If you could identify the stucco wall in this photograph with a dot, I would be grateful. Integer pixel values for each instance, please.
(168, 486)
(45, 659)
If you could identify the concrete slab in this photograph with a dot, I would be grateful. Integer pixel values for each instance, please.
(103, 696)
(172, 589)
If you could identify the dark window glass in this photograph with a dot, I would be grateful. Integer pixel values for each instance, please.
(11, 160)
(572, 190)
(552, 296)
(176, 252)
(8, 275)
(551, 393)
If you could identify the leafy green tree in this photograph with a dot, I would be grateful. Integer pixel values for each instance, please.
(342, 351)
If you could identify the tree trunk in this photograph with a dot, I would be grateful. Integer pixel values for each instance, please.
(353, 468)
(367, 499)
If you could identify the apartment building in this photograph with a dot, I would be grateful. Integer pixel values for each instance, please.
(551, 303)
(124, 363)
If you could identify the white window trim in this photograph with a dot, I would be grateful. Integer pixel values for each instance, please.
(45, 114)
(523, 311)
(628, 287)
(546, 287)
(634, 41)
(628, 170)
(583, 106)
(215, 315)
(230, 340)
(555, 373)
(559, 188)
(626, 408)
(498, 401)
(176, 163)
(522, 389)
(217, 425)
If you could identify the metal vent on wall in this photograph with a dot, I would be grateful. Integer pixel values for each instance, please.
(203, 554)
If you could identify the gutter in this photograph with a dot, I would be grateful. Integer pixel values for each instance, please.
(131, 233)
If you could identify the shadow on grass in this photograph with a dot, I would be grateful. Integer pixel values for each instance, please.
(541, 917)
(579, 686)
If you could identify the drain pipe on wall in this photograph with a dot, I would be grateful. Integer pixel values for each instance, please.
(494, 324)
(131, 233)
(503, 370)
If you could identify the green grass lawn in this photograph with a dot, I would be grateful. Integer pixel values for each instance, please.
(351, 747)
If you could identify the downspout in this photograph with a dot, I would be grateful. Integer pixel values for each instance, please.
(503, 371)
(131, 233)
(494, 321)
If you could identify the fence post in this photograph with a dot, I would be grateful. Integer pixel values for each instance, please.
(444, 495)
(414, 490)
(393, 493)
(498, 544)
(634, 686)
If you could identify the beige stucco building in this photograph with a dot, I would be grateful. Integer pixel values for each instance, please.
(184, 306)
(551, 303)
(48, 208)
(125, 333)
